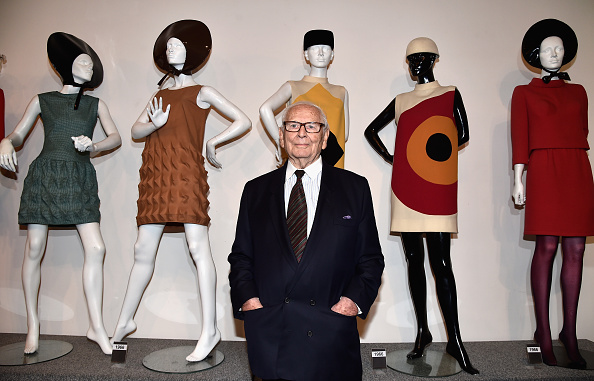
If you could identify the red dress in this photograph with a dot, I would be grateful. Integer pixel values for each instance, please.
(549, 126)
(1, 114)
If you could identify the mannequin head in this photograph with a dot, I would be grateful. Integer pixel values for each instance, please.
(551, 53)
(82, 68)
(319, 56)
(421, 54)
(537, 38)
(176, 53)
(421, 63)
(70, 57)
(318, 48)
(197, 43)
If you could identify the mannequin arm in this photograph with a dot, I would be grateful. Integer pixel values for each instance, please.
(518, 191)
(151, 119)
(371, 132)
(8, 159)
(241, 123)
(112, 138)
(346, 115)
(461, 119)
(282, 96)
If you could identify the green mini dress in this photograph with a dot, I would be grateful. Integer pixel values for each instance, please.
(61, 185)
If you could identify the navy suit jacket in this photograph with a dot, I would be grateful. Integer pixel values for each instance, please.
(296, 336)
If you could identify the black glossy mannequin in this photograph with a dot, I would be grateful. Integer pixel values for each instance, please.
(438, 243)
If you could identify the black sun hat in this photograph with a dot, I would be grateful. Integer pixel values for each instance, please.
(62, 50)
(547, 28)
(196, 39)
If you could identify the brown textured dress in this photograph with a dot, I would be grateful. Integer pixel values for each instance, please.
(173, 186)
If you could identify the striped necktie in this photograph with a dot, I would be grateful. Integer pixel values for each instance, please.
(297, 217)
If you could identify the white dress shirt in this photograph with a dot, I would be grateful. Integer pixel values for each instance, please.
(311, 186)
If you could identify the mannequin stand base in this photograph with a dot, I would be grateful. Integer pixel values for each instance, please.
(173, 360)
(564, 362)
(48, 350)
(431, 364)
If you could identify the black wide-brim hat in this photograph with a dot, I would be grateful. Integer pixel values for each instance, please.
(547, 28)
(62, 50)
(196, 39)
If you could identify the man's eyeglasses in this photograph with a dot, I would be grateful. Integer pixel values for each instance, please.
(310, 127)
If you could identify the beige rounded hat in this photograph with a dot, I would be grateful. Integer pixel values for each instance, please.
(421, 45)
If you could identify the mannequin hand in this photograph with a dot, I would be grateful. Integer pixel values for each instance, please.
(251, 304)
(211, 154)
(345, 306)
(518, 194)
(83, 143)
(8, 159)
(156, 114)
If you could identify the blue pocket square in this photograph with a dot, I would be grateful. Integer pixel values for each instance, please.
(347, 217)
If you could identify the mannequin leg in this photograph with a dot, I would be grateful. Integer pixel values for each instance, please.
(92, 276)
(540, 276)
(145, 253)
(438, 248)
(571, 283)
(199, 245)
(31, 277)
(415, 259)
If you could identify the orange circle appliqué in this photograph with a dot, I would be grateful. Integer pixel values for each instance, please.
(436, 172)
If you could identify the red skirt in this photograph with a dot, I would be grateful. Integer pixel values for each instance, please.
(559, 193)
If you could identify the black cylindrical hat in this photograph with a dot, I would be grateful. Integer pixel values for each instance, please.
(196, 39)
(318, 37)
(547, 28)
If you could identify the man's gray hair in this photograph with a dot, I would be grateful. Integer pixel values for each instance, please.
(304, 103)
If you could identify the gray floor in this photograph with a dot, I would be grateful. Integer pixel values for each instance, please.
(495, 360)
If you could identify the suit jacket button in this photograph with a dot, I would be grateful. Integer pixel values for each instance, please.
(287, 300)
(309, 333)
(312, 302)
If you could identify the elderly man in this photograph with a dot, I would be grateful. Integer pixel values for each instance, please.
(306, 260)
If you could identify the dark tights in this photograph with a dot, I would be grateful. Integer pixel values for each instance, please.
(571, 281)
(438, 248)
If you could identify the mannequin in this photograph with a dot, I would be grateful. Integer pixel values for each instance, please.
(556, 160)
(42, 203)
(431, 123)
(180, 49)
(318, 50)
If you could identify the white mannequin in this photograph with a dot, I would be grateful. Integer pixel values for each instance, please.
(90, 234)
(149, 235)
(319, 58)
(551, 58)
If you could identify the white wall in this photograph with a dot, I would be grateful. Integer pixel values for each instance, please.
(256, 47)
